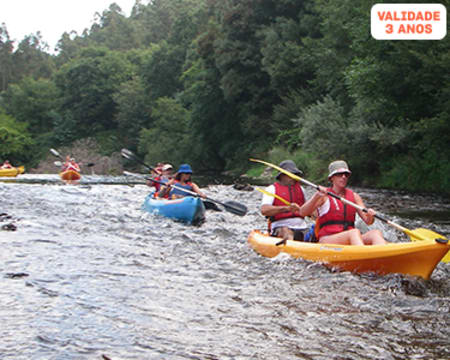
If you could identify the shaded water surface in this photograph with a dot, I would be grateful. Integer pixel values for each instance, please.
(87, 274)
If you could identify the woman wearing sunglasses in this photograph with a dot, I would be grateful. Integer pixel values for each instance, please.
(336, 220)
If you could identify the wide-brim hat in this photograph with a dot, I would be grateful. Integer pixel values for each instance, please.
(185, 168)
(338, 166)
(290, 166)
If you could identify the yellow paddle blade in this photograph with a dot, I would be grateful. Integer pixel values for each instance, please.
(288, 173)
(425, 234)
(274, 195)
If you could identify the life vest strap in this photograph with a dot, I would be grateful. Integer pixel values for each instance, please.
(338, 222)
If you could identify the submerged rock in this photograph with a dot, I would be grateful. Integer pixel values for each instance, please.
(243, 187)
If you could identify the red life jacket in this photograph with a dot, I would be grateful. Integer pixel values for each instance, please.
(340, 216)
(156, 185)
(71, 166)
(291, 193)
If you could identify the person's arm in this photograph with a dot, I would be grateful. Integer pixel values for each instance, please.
(196, 189)
(368, 217)
(165, 188)
(268, 209)
(271, 210)
(314, 202)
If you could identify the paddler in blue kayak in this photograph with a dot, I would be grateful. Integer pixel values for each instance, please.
(162, 173)
(181, 181)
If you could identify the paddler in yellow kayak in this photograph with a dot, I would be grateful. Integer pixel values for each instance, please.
(70, 164)
(286, 221)
(336, 220)
(6, 165)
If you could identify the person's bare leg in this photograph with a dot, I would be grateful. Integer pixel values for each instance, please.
(374, 237)
(348, 237)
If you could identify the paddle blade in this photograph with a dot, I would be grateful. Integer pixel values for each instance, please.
(90, 164)
(54, 152)
(209, 205)
(58, 163)
(235, 208)
(127, 154)
(425, 234)
(128, 173)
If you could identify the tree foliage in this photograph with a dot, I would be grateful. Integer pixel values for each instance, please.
(214, 82)
(15, 139)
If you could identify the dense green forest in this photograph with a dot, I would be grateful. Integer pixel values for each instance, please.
(214, 82)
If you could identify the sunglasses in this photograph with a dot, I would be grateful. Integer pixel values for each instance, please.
(346, 174)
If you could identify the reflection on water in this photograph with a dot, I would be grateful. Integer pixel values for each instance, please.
(87, 273)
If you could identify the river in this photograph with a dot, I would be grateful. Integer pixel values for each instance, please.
(89, 275)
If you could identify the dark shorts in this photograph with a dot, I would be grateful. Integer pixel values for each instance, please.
(299, 235)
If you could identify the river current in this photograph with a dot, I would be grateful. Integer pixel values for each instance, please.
(88, 275)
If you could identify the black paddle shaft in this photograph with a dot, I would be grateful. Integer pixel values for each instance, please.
(130, 155)
(57, 154)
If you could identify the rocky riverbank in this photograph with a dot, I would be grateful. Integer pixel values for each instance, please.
(85, 151)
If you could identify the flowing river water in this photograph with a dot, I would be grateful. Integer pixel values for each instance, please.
(89, 275)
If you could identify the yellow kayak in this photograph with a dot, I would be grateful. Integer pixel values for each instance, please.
(410, 258)
(12, 172)
(70, 175)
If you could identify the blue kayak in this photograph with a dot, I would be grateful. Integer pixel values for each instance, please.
(188, 209)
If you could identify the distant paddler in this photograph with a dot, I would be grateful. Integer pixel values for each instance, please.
(6, 165)
(70, 171)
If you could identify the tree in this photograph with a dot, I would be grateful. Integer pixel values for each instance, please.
(31, 101)
(6, 61)
(133, 111)
(162, 70)
(32, 59)
(14, 137)
(168, 139)
(87, 85)
(113, 30)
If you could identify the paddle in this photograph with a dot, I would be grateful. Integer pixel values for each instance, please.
(416, 234)
(59, 163)
(274, 195)
(130, 156)
(233, 207)
(57, 154)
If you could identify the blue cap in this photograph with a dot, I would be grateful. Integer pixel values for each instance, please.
(185, 168)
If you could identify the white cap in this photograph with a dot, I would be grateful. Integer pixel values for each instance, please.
(338, 166)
